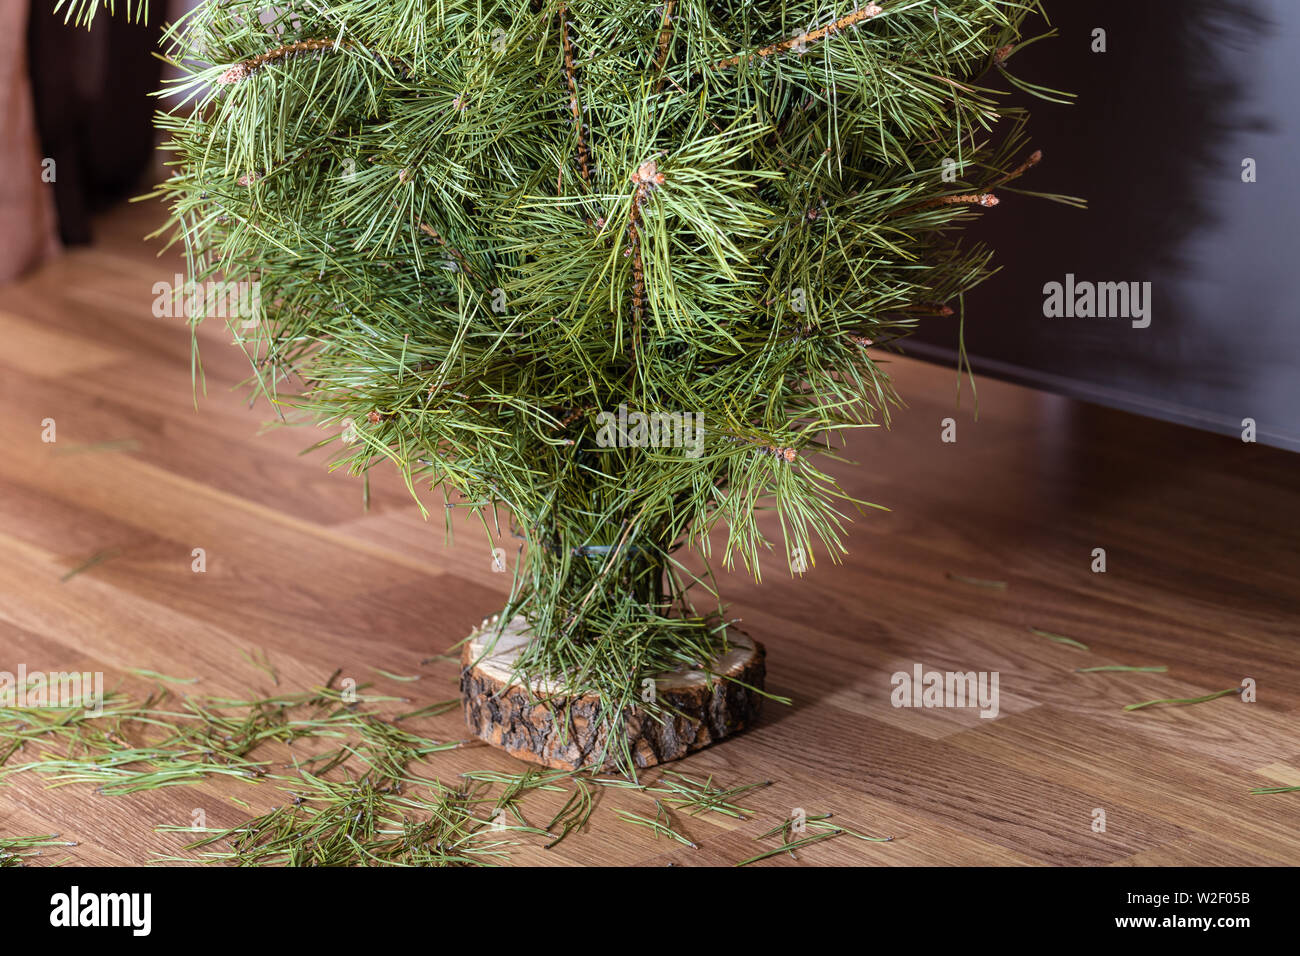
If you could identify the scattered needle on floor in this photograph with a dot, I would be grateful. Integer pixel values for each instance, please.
(392, 676)
(791, 847)
(1162, 669)
(119, 444)
(90, 562)
(263, 665)
(432, 710)
(1058, 638)
(1184, 700)
(978, 582)
(820, 822)
(154, 675)
(660, 826)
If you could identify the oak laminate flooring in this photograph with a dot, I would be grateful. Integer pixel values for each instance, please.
(1202, 558)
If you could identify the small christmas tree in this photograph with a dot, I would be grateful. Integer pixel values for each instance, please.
(616, 270)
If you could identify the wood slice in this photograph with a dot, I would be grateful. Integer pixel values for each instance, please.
(701, 709)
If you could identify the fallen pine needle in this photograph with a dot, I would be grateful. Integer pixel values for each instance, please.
(1059, 638)
(819, 822)
(575, 813)
(115, 444)
(432, 710)
(978, 582)
(657, 827)
(822, 825)
(263, 665)
(154, 675)
(1184, 700)
(792, 846)
(14, 849)
(785, 824)
(1120, 667)
(90, 562)
(684, 792)
(1275, 789)
(391, 676)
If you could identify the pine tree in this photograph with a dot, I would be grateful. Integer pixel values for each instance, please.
(487, 234)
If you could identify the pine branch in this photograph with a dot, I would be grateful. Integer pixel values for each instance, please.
(647, 179)
(246, 68)
(1033, 160)
(571, 74)
(805, 39)
(665, 41)
(437, 237)
(987, 200)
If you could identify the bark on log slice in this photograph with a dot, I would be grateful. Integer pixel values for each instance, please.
(701, 708)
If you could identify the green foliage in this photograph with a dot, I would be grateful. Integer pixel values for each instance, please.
(82, 12)
(748, 212)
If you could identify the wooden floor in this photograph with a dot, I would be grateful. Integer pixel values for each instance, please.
(1200, 534)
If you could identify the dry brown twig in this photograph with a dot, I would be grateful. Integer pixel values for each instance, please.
(868, 12)
(571, 74)
(246, 68)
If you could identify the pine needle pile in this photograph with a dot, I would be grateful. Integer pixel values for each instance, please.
(354, 786)
(352, 780)
(483, 230)
(14, 850)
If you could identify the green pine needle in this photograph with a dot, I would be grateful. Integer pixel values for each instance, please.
(154, 675)
(1184, 700)
(1059, 638)
(791, 846)
(354, 793)
(95, 559)
(683, 792)
(396, 677)
(977, 582)
(823, 829)
(14, 850)
(660, 825)
(262, 663)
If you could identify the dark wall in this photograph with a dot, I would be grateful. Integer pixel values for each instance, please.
(1186, 90)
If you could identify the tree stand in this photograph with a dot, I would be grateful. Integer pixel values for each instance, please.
(568, 733)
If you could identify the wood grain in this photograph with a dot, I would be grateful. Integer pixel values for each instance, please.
(1202, 562)
(538, 724)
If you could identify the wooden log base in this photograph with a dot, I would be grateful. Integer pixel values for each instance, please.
(701, 708)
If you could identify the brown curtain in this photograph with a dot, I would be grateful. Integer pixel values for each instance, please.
(91, 90)
(27, 226)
